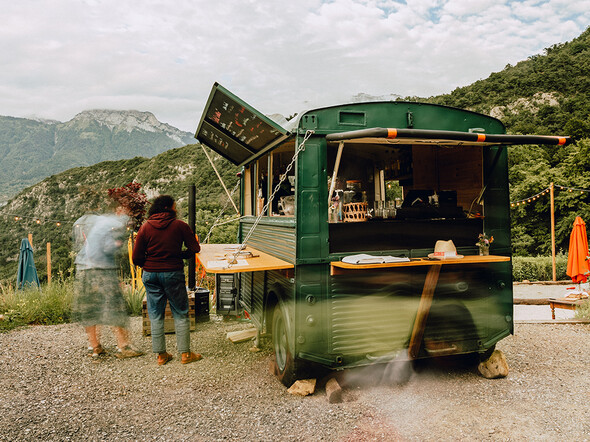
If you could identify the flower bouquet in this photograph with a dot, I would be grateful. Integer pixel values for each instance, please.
(483, 242)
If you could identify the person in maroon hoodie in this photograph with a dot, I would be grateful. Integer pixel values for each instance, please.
(159, 251)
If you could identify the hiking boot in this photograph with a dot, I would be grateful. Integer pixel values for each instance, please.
(164, 358)
(128, 352)
(189, 357)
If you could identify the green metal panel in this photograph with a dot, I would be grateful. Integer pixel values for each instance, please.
(252, 289)
(311, 308)
(285, 290)
(272, 235)
(258, 290)
(497, 224)
(496, 198)
(312, 229)
(373, 312)
(395, 114)
(367, 321)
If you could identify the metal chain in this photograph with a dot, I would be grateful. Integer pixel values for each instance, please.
(282, 178)
(216, 222)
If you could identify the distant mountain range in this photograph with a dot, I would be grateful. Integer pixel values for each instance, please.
(31, 150)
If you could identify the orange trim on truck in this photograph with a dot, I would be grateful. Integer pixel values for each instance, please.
(391, 133)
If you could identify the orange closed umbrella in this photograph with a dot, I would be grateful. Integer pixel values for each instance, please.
(577, 263)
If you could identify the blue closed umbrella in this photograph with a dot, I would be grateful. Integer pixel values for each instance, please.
(27, 272)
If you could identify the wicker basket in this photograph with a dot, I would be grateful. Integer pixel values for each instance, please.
(354, 212)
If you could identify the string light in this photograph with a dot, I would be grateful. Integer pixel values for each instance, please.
(546, 191)
(57, 223)
(35, 219)
(530, 198)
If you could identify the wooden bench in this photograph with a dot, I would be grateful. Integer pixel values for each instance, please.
(565, 303)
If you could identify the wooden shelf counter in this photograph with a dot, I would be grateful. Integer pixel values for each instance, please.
(215, 259)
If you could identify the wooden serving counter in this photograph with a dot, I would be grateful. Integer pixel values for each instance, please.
(215, 258)
(339, 267)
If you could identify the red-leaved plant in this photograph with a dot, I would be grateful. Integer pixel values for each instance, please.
(130, 198)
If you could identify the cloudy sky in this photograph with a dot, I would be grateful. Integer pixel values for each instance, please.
(60, 57)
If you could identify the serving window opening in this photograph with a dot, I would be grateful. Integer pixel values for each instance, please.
(270, 173)
(381, 194)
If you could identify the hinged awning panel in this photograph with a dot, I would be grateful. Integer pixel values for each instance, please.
(236, 130)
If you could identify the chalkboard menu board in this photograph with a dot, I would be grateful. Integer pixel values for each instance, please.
(234, 129)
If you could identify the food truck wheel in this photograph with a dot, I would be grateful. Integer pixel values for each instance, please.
(285, 367)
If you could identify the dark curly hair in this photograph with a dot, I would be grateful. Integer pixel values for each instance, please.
(162, 203)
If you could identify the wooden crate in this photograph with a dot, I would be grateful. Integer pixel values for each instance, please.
(168, 319)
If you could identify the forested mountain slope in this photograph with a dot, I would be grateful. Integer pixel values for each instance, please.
(64, 197)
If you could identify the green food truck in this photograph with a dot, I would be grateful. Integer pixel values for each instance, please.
(359, 230)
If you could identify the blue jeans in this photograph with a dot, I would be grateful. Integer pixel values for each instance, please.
(161, 287)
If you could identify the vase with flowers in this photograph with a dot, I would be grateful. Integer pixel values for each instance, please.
(483, 243)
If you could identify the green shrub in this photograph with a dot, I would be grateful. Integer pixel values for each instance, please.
(539, 268)
(583, 311)
(134, 299)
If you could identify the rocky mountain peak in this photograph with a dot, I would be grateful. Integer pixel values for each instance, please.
(129, 120)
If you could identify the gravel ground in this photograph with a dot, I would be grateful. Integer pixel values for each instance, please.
(51, 390)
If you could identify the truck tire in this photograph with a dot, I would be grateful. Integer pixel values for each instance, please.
(285, 367)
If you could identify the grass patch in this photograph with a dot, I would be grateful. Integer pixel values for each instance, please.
(50, 304)
(32, 306)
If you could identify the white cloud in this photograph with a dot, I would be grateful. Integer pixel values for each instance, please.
(65, 56)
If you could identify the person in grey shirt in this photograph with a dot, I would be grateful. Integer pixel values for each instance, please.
(98, 298)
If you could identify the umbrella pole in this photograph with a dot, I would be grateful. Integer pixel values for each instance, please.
(551, 188)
